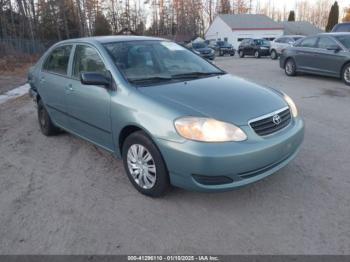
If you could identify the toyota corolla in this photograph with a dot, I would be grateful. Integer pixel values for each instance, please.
(172, 116)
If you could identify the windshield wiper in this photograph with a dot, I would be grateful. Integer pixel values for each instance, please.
(150, 79)
(196, 74)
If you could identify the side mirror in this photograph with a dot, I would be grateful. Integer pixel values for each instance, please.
(334, 48)
(97, 79)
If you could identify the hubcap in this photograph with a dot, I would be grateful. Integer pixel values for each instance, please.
(256, 54)
(141, 166)
(289, 67)
(273, 54)
(347, 74)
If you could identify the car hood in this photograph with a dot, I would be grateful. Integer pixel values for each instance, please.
(225, 98)
(201, 50)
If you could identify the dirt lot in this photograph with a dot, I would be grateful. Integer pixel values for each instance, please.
(62, 195)
(14, 78)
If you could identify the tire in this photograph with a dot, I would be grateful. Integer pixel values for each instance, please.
(290, 67)
(221, 53)
(232, 54)
(345, 74)
(257, 54)
(152, 182)
(241, 54)
(46, 125)
(273, 55)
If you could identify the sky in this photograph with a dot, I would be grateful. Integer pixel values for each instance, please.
(290, 4)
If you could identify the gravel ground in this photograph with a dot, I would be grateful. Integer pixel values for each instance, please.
(61, 195)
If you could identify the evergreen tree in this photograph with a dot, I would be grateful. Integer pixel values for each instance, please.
(291, 16)
(333, 17)
(102, 26)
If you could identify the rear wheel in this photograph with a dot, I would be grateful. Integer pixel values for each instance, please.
(144, 165)
(241, 54)
(45, 122)
(290, 67)
(274, 55)
(346, 74)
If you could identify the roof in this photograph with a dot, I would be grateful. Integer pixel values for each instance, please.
(112, 38)
(250, 22)
(300, 28)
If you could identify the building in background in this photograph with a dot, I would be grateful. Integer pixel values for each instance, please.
(233, 28)
(300, 28)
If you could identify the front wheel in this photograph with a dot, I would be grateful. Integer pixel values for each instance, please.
(274, 55)
(241, 54)
(257, 54)
(290, 67)
(144, 165)
(346, 74)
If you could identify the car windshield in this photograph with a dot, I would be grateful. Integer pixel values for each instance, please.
(199, 45)
(149, 62)
(296, 38)
(220, 43)
(344, 39)
(261, 42)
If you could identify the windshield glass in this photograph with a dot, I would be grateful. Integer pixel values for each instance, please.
(156, 61)
(344, 39)
(261, 42)
(199, 45)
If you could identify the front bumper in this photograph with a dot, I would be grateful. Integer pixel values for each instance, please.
(210, 56)
(241, 162)
(264, 52)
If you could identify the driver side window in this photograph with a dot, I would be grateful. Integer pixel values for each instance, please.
(86, 59)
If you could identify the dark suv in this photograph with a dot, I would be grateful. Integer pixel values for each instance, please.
(254, 47)
(342, 27)
(223, 48)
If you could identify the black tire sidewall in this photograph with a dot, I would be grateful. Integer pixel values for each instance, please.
(342, 74)
(48, 129)
(162, 177)
(285, 67)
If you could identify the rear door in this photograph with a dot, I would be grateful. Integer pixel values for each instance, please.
(329, 61)
(52, 82)
(89, 105)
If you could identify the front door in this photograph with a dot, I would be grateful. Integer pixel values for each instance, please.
(305, 54)
(88, 106)
(329, 61)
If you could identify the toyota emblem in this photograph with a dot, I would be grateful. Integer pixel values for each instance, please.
(276, 119)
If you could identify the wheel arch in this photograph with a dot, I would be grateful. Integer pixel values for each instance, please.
(342, 68)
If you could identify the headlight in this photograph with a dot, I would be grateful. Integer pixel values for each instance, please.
(291, 105)
(208, 130)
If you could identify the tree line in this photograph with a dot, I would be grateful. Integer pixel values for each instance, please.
(55, 20)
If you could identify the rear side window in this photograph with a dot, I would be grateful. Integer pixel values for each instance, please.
(57, 61)
(86, 59)
(308, 42)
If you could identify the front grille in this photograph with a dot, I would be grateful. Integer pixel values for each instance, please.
(266, 125)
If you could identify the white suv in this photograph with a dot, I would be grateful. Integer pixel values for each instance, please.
(281, 43)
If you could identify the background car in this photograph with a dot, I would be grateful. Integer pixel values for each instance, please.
(204, 50)
(256, 47)
(223, 47)
(324, 54)
(281, 43)
(341, 27)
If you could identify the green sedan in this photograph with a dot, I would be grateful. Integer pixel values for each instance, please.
(172, 116)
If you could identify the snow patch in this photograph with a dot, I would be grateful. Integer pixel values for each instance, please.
(14, 93)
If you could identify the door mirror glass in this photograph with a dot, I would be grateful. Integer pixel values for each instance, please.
(93, 78)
